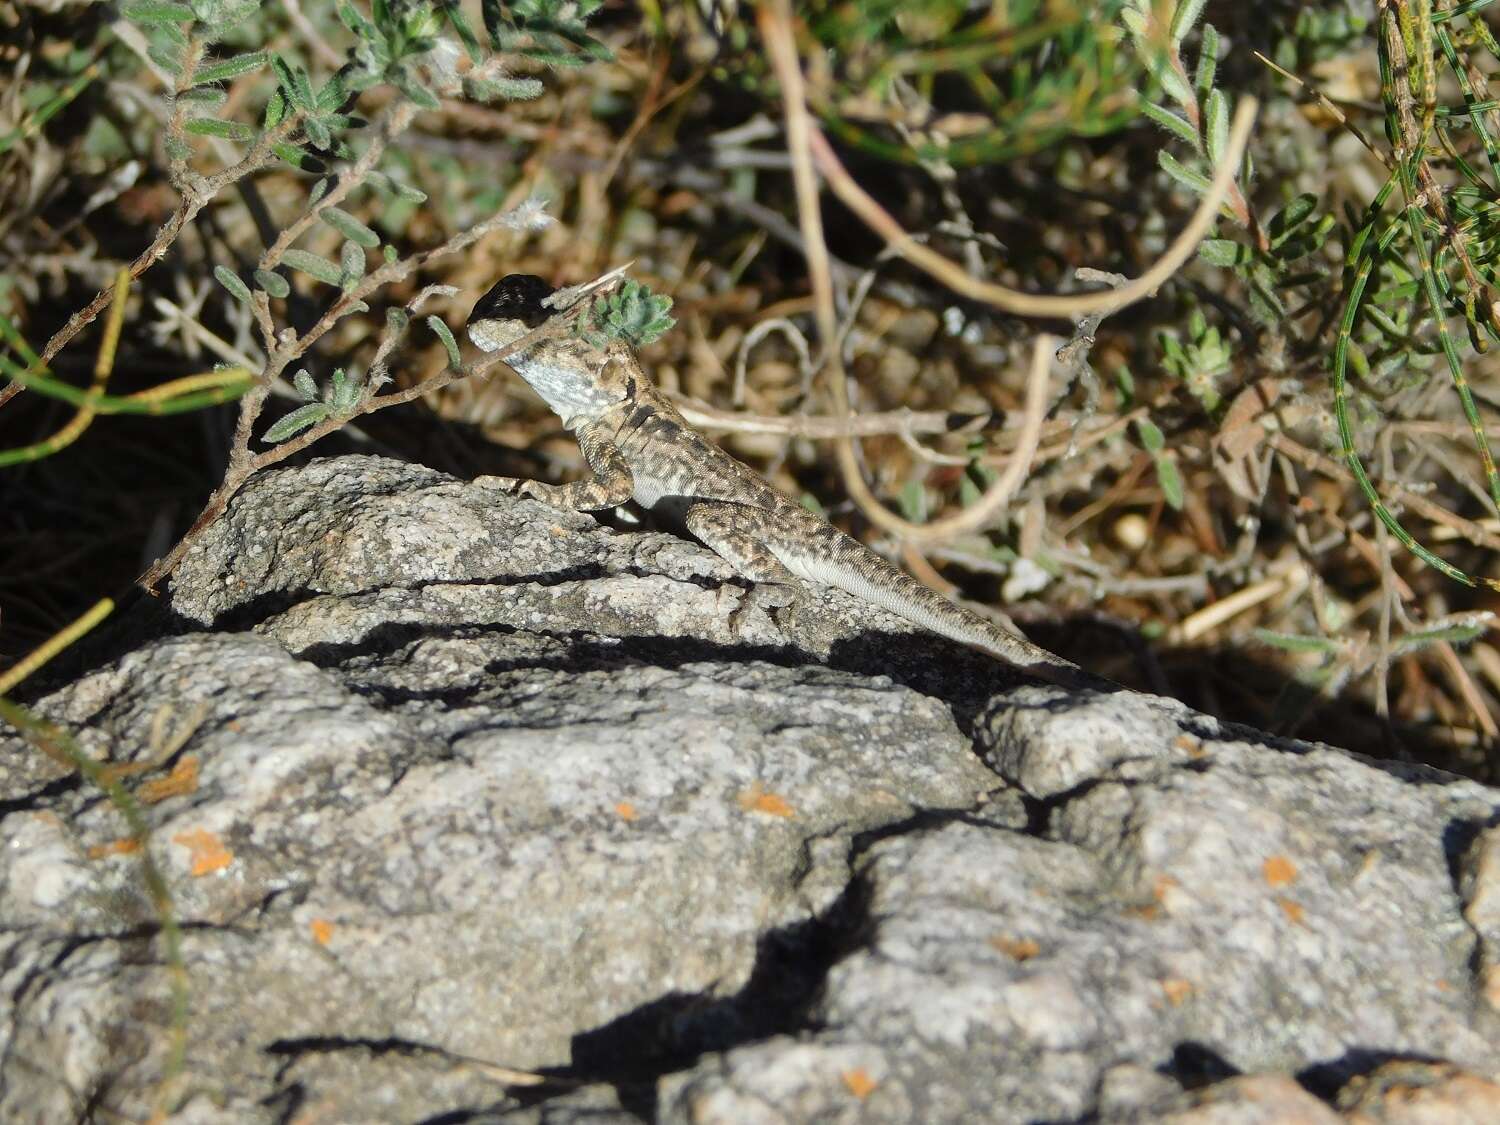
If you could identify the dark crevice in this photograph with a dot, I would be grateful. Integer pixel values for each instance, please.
(1040, 810)
(29, 802)
(253, 611)
(922, 820)
(1458, 837)
(1195, 1065)
(586, 651)
(1325, 1079)
(668, 1034)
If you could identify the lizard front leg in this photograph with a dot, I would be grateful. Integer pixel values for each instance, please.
(610, 487)
(735, 533)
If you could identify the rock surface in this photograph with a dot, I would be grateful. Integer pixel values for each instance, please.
(472, 809)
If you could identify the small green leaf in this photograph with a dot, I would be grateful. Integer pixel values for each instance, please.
(295, 422)
(1173, 123)
(153, 14)
(1183, 19)
(314, 266)
(493, 89)
(204, 97)
(275, 111)
(294, 83)
(389, 254)
(351, 265)
(1151, 435)
(272, 283)
(418, 94)
(446, 336)
(1285, 222)
(299, 158)
(1208, 59)
(217, 127)
(317, 132)
(1176, 87)
(1216, 111)
(305, 385)
(1295, 642)
(408, 193)
(231, 281)
(1459, 633)
(464, 32)
(1224, 252)
(331, 96)
(355, 21)
(345, 393)
(350, 227)
(167, 57)
(1193, 181)
(225, 69)
(1171, 482)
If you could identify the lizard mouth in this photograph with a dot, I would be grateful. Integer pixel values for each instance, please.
(516, 296)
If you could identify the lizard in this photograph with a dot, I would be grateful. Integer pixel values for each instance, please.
(639, 447)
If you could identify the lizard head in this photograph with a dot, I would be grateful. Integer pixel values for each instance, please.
(575, 378)
(516, 296)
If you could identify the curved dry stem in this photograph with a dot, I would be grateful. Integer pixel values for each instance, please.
(1015, 301)
(805, 143)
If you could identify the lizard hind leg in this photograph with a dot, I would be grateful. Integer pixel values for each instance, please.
(727, 529)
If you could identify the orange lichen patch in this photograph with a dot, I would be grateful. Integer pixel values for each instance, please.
(1190, 746)
(206, 852)
(123, 846)
(234, 725)
(322, 930)
(1279, 871)
(756, 799)
(181, 781)
(859, 1082)
(626, 811)
(1177, 990)
(1021, 949)
(1162, 887)
(1292, 910)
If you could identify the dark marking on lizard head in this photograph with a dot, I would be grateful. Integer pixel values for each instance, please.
(516, 296)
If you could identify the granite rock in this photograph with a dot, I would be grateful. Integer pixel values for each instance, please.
(474, 809)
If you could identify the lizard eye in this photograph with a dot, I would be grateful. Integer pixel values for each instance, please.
(516, 296)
